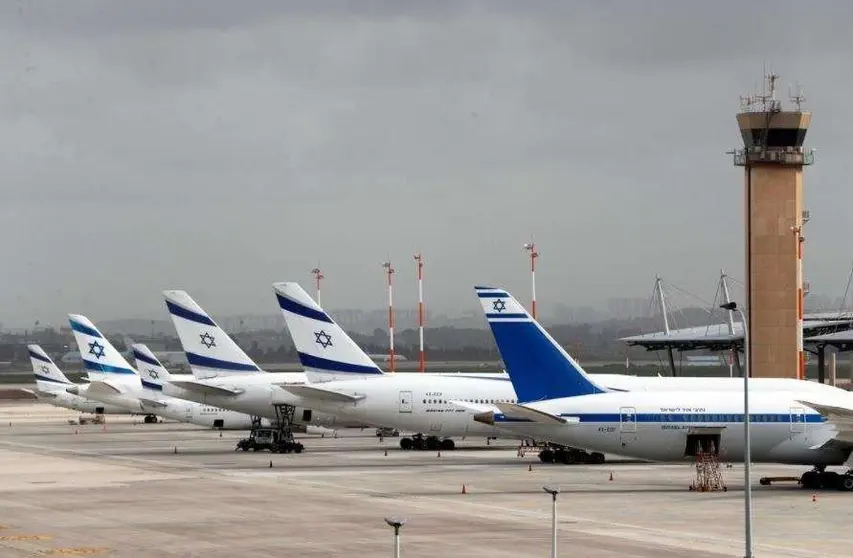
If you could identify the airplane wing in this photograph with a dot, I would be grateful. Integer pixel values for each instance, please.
(841, 417)
(152, 403)
(312, 392)
(515, 411)
(206, 389)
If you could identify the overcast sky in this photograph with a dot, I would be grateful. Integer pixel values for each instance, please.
(219, 146)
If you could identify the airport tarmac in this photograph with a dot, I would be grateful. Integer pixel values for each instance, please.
(122, 490)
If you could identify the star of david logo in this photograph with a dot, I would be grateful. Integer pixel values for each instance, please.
(44, 368)
(499, 305)
(153, 374)
(323, 339)
(207, 340)
(96, 349)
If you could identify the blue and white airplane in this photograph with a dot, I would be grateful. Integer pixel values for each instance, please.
(559, 402)
(115, 382)
(52, 386)
(225, 376)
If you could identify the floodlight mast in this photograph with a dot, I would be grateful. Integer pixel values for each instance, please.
(419, 260)
(530, 247)
(389, 271)
(318, 278)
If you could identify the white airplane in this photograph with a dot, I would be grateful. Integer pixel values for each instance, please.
(225, 376)
(51, 386)
(796, 426)
(167, 358)
(114, 381)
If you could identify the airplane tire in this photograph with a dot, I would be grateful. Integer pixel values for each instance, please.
(432, 443)
(406, 444)
(569, 458)
(596, 458)
(846, 483)
(546, 456)
(810, 480)
(831, 479)
(447, 444)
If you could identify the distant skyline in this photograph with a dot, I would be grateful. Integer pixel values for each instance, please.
(218, 147)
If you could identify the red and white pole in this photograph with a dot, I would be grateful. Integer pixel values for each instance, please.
(801, 355)
(318, 278)
(419, 259)
(390, 272)
(531, 248)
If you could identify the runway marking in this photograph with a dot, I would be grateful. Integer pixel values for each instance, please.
(25, 538)
(81, 551)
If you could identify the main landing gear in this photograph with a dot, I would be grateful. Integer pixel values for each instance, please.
(278, 439)
(554, 453)
(429, 443)
(150, 419)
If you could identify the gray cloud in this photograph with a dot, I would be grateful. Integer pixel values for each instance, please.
(219, 146)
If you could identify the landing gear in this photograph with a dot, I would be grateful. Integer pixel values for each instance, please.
(553, 453)
(150, 419)
(278, 439)
(429, 443)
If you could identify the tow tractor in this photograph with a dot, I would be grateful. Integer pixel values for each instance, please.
(278, 438)
(555, 453)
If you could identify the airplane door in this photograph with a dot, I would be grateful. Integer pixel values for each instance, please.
(627, 420)
(798, 420)
(405, 401)
(189, 412)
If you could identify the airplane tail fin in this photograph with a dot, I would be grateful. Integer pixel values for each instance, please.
(100, 358)
(153, 373)
(537, 365)
(210, 351)
(44, 368)
(325, 350)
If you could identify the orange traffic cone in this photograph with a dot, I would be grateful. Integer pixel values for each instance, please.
(611, 475)
(814, 497)
(464, 491)
(439, 453)
(386, 452)
(530, 467)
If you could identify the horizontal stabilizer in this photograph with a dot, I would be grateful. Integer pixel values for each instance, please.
(103, 387)
(206, 389)
(312, 392)
(152, 403)
(513, 410)
(841, 417)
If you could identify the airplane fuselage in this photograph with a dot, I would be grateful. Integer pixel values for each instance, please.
(657, 426)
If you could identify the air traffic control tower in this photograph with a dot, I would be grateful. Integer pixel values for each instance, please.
(773, 159)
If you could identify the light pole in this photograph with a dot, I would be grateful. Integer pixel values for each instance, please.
(553, 491)
(747, 451)
(531, 248)
(318, 278)
(419, 260)
(389, 271)
(396, 523)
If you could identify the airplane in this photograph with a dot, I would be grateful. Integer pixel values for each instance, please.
(225, 376)
(173, 358)
(51, 386)
(114, 381)
(347, 383)
(419, 402)
(797, 426)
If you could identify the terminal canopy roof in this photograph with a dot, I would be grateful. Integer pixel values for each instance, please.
(720, 337)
